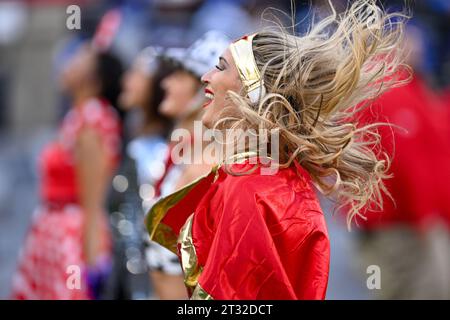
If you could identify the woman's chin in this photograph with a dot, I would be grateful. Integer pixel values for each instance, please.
(165, 110)
(205, 122)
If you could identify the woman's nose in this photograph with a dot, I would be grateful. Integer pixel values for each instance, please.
(206, 77)
(164, 83)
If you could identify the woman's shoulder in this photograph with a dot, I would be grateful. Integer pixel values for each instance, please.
(256, 177)
(99, 112)
(95, 113)
(95, 118)
(285, 195)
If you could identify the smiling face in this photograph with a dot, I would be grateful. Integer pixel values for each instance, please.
(219, 80)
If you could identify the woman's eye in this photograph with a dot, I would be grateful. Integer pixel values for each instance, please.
(219, 68)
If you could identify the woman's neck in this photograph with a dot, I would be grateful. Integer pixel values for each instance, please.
(188, 121)
(80, 97)
(152, 128)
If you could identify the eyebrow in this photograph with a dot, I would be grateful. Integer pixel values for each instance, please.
(224, 60)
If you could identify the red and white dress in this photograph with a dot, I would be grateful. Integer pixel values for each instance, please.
(52, 256)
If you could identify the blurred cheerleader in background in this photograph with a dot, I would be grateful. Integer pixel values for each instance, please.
(183, 101)
(133, 192)
(409, 238)
(67, 250)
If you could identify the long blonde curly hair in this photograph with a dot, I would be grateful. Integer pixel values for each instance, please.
(316, 84)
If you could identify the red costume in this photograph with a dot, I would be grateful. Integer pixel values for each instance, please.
(250, 236)
(54, 242)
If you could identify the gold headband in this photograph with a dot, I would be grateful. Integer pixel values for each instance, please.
(242, 53)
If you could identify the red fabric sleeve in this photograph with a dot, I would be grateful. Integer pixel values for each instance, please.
(270, 245)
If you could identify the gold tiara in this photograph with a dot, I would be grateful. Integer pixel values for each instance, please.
(242, 53)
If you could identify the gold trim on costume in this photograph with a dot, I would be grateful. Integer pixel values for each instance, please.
(200, 294)
(165, 236)
(159, 232)
(189, 260)
(242, 53)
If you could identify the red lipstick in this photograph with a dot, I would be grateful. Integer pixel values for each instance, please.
(209, 95)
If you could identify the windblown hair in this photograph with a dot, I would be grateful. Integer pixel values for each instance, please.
(316, 85)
